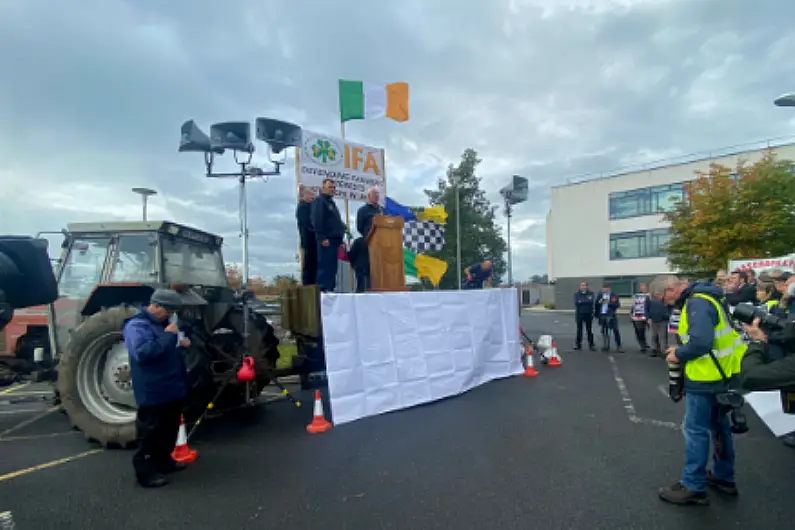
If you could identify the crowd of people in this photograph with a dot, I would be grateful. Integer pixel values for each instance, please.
(715, 355)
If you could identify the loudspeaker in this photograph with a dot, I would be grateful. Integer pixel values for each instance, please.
(279, 135)
(194, 140)
(234, 135)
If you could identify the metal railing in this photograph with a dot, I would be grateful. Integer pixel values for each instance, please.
(700, 156)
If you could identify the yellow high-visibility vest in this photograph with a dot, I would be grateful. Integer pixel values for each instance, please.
(727, 347)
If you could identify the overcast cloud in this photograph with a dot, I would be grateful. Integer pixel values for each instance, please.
(92, 94)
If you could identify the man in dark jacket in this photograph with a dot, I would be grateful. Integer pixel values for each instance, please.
(306, 234)
(606, 307)
(160, 385)
(761, 372)
(710, 350)
(329, 231)
(583, 315)
(741, 291)
(658, 323)
(360, 257)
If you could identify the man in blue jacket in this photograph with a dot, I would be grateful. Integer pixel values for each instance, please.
(583, 315)
(711, 352)
(329, 231)
(160, 385)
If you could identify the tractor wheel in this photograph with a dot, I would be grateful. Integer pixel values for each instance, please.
(94, 381)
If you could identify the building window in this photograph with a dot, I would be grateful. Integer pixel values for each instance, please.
(631, 203)
(645, 201)
(664, 198)
(636, 245)
(622, 285)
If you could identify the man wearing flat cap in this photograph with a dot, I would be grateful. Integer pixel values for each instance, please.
(160, 383)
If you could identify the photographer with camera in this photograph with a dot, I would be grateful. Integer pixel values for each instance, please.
(762, 367)
(709, 360)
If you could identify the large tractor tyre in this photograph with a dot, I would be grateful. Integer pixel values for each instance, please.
(264, 348)
(94, 381)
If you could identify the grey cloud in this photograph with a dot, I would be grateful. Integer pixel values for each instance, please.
(544, 89)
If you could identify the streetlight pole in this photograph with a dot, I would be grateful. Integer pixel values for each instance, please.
(509, 214)
(145, 193)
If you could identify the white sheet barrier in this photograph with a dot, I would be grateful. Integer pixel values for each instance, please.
(390, 351)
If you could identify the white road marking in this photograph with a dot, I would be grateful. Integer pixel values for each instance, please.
(622, 389)
(27, 422)
(630, 407)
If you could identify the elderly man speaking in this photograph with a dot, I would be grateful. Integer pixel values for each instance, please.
(360, 257)
(711, 353)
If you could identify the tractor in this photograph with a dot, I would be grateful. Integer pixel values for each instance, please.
(106, 272)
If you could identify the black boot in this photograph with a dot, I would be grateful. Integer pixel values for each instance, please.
(678, 494)
(156, 480)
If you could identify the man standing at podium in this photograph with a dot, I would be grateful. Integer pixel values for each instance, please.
(360, 257)
(306, 234)
(329, 231)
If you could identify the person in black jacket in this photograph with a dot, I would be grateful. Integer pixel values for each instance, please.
(658, 315)
(606, 306)
(583, 315)
(360, 257)
(759, 373)
(306, 234)
(329, 232)
(741, 291)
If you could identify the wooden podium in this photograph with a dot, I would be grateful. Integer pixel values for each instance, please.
(385, 247)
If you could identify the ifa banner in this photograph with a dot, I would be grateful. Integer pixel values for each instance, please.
(355, 168)
(785, 263)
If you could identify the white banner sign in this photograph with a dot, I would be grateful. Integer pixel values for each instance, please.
(785, 263)
(355, 168)
(391, 351)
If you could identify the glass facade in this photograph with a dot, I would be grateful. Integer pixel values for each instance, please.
(640, 244)
(645, 201)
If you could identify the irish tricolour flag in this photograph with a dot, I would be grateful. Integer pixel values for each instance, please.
(367, 101)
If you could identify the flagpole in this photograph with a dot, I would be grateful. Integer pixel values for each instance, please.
(347, 219)
(298, 197)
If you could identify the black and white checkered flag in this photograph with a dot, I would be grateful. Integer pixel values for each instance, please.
(423, 236)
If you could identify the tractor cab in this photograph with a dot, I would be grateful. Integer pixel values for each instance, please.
(120, 263)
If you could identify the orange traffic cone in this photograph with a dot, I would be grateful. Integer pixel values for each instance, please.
(183, 453)
(529, 370)
(555, 360)
(319, 423)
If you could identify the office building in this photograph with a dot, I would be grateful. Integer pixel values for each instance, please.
(610, 227)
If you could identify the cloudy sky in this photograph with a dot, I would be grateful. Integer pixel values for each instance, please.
(92, 94)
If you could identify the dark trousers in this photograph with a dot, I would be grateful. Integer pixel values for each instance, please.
(640, 332)
(362, 282)
(327, 264)
(587, 321)
(609, 324)
(309, 270)
(157, 427)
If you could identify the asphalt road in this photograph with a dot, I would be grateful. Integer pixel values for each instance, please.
(568, 449)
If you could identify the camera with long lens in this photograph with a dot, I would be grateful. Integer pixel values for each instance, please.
(747, 313)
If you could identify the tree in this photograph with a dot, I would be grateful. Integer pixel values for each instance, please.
(481, 236)
(748, 212)
(539, 278)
